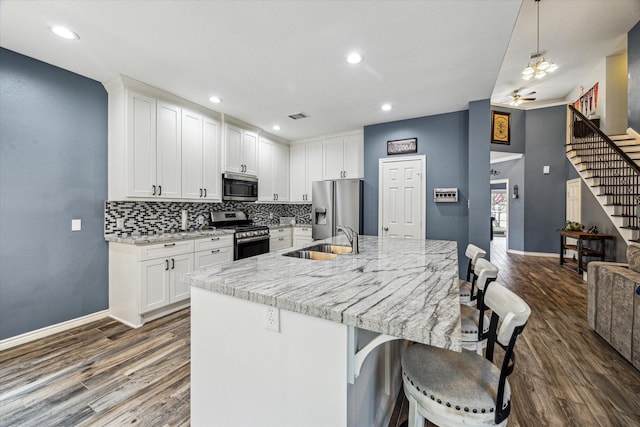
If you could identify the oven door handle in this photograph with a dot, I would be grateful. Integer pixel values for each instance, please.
(252, 239)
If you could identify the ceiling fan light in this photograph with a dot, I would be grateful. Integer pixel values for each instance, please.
(540, 74)
(528, 71)
(552, 68)
(527, 76)
(543, 65)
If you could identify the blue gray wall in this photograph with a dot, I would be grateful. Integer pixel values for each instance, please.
(478, 163)
(444, 140)
(633, 51)
(513, 170)
(53, 168)
(544, 195)
(517, 124)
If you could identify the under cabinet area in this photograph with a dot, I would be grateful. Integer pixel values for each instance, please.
(144, 280)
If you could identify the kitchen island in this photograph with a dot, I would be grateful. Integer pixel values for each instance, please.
(281, 341)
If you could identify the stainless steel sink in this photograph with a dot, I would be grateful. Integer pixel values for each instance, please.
(329, 248)
(314, 255)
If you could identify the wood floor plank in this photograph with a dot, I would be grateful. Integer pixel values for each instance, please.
(107, 374)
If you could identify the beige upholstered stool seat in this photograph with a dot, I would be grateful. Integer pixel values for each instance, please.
(463, 388)
(459, 384)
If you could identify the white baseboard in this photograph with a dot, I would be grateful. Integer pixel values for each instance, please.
(545, 254)
(50, 330)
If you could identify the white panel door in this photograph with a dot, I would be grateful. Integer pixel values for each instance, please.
(281, 172)
(266, 192)
(574, 200)
(169, 150)
(233, 149)
(179, 265)
(191, 155)
(141, 143)
(402, 198)
(154, 284)
(313, 166)
(354, 156)
(211, 176)
(298, 172)
(250, 153)
(333, 158)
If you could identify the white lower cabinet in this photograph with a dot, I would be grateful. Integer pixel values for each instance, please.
(144, 280)
(213, 251)
(159, 281)
(280, 238)
(302, 236)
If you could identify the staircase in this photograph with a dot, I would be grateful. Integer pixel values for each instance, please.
(610, 169)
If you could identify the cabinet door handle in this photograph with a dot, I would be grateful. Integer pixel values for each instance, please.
(205, 192)
(215, 251)
(166, 265)
(281, 239)
(154, 190)
(159, 190)
(215, 238)
(173, 263)
(168, 245)
(201, 192)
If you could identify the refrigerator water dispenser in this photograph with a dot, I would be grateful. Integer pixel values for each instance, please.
(321, 216)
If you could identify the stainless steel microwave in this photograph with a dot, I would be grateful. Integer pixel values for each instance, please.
(240, 188)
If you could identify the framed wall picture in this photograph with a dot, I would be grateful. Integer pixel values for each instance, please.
(402, 146)
(500, 127)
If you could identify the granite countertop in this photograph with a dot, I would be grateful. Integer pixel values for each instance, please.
(147, 239)
(289, 226)
(405, 288)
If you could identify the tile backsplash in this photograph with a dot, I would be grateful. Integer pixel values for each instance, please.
(157, 217)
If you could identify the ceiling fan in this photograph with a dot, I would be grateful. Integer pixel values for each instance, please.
(517, 98)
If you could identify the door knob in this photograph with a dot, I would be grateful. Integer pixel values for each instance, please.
(386, 228)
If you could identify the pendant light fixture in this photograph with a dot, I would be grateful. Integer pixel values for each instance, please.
(538, 66)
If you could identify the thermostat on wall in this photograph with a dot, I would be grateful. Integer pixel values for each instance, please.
(445, 195)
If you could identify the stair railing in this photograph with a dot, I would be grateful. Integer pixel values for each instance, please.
(618, 174)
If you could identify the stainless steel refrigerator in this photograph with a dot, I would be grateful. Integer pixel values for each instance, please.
(335, 203)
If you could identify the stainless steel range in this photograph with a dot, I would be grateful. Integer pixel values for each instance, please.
(250, 239)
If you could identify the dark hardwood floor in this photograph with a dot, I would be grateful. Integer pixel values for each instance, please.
(565, 374)
(106, 374)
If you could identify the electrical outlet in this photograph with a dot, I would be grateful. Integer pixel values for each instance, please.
(120, 223)
(273, 319)
(270, 215)
(200, 220)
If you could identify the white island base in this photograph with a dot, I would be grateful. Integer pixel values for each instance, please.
(303, 375)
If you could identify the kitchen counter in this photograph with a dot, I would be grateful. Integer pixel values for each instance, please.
(404, 288)
(148, 239)
(317, 343)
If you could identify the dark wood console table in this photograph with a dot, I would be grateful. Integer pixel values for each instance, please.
(594, 249)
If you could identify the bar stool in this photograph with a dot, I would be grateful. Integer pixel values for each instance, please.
(475, 323)
(461, 389)
(474, 253)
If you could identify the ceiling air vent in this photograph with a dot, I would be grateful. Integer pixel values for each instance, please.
(298, 116)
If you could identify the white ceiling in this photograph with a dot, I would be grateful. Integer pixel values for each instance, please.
(269, 59)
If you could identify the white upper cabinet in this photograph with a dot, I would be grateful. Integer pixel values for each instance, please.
(343, 156)
(241, 151)
(141, 144)
(200, 157)
(273, 167)
(305, 167)
(154, 147)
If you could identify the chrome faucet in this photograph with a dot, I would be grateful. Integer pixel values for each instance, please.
(352, 237)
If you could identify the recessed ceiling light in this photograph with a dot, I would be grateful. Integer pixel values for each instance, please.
(354, 58)
(385, 107)
(277, 127)
(65, 33)
(215, 99)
